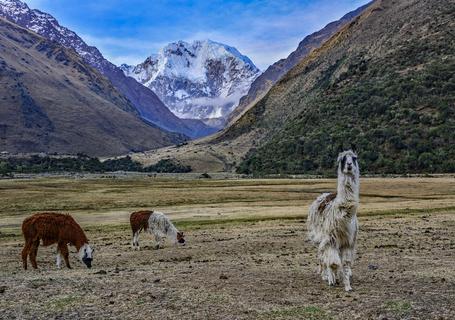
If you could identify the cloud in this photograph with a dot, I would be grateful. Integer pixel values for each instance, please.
(131, 60)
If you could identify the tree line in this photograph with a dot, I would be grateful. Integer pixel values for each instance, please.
(84, 163)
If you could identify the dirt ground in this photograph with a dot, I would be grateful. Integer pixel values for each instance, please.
(262, 270)
(259, 268)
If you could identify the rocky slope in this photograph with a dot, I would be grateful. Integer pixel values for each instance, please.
(51, 100)
(198, 80)
(269, 77)
(149, 105)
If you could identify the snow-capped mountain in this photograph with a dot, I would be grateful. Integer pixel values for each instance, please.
(150, 107)
(198, 80)
(46, 25)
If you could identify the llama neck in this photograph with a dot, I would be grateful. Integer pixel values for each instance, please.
(79, 243)
(348, 188)
(172, 232)
(78, 238)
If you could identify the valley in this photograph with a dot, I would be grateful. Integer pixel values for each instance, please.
(158, 105)
(246, 255)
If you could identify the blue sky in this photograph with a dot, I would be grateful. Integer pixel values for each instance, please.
(130, 30)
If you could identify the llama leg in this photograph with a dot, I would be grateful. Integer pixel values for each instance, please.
(135, 241)
(162, 241)
(322, 270)
(346, 270)
(332, 271)
(25, 253)
(33, 253)
(158, 241)
(347, 278)
(332, 262)
(324, 274)
(63, 248)
(347, 257)
(59, 259)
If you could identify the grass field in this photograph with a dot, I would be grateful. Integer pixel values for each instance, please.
(246, 257)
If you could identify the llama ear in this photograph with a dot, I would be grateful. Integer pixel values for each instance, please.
(340, 148)
(354, 148)
(339, 156)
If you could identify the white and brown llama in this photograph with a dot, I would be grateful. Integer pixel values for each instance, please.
(53, 228)
(332, 223)
(155, 223)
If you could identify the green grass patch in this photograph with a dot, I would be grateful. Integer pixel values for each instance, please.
(398, 307)
(307, 313)
(63, 302)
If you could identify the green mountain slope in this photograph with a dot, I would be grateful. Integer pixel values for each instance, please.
(385, 83)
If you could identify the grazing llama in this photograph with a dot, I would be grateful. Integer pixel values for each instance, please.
(53, 228)
(155, 223)
(332, 223)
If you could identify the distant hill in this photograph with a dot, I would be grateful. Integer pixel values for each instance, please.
(384, 83)
(269, 77)
(51, 100)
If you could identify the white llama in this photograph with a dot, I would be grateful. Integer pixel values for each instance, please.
(155, 223)
(332, 223)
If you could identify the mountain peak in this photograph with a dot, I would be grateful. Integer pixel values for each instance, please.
(199, 79)
(210, 47)
(14, 6)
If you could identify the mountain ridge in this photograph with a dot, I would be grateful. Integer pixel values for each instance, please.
(71, 109)
(146, 102)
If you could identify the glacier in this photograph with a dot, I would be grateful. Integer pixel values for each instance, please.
(202, 80)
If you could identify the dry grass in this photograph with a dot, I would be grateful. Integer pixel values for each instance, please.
(109, 201)
(246, 256)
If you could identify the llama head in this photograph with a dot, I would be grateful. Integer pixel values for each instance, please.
(348, 164)
(180, 237)
(86, 255)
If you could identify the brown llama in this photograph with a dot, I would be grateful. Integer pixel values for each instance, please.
(155, 223)
(53, 228)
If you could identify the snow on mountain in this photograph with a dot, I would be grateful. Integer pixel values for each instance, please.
(46, 25)
(198, 80)
(150, 107)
